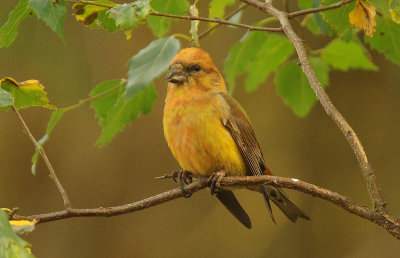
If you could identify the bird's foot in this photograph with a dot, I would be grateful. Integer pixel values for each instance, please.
(183, 178)
(214, 181)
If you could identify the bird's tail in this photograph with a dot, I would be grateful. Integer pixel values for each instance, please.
(277, 196)
(228, 199)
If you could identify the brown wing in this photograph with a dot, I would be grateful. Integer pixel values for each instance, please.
(242, 132)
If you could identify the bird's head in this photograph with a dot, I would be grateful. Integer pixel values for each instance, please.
(193, 68)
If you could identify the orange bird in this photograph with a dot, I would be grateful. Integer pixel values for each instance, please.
(207, 131)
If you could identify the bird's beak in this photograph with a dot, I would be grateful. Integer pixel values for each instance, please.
(176, 74)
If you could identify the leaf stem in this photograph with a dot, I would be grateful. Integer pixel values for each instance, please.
(42, 153)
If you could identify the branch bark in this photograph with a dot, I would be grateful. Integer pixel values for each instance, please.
(373, 189)
(220, 21)
(391, 224)
(318, 9)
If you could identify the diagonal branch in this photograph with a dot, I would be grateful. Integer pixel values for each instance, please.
(373, 189)
(391, 224)
(318, 9)
(46, 160)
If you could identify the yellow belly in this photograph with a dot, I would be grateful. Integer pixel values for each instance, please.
(199, 141)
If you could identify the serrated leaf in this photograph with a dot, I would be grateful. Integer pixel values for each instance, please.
(104, 21)
(11, 245)
(386, 39)
(87, 12)
(217, 8)
(275, 51)
(129, 15)
(52, 13)
(317, 25)
(363, 17)
(8, 32)
(394, 9)
(241, 55)
(292, 84)
(338, 18)
(160, 25)
(26, 94)
(115, 112)
(6, 99)
(344, 56)
(149, 63)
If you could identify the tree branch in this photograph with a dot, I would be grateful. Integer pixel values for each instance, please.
(42, 153)
(204, 33)
(391, 224)
(373, 189)
(318, 9)
(220, 21)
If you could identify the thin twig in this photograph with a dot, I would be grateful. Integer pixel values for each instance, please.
(373, 189)
(318, 9)
(391, 224)
(84, 101)
(204, 33)
(220, 21)
(42, 153)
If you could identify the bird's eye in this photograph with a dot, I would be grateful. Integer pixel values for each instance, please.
(196, 68)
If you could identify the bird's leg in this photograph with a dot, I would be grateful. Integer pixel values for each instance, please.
(182, 178)
(214, 181)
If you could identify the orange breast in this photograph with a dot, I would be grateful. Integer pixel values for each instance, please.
(198, 139)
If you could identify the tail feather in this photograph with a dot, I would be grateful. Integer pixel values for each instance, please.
(228, 199)
(284, 204)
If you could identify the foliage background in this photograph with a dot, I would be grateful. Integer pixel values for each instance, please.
(311, 149)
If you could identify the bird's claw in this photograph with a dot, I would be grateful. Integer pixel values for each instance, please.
(182, 178)
(214, 181)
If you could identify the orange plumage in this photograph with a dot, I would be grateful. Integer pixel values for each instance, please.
(208, 131)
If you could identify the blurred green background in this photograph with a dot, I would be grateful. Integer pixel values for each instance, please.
(311, 149)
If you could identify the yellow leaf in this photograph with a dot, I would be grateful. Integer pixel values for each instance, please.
(26, 94)
(363, 17)
(23, 226)
(394, 9)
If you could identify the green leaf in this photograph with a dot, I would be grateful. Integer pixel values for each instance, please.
(6, 99)
(292, 84)
(314, 21)
(338, 18)
(275, 51)
(381, 6)
(386, 39)
(8, 32)
(149, 63)
(217, 8)
(115, 112)
(52, 13)
(160, 25)
(129, 15)
(87, 12)
(344, 56)
(242, 54)
(26, 94)
(11, 245)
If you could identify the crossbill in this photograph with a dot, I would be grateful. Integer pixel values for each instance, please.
(207, 131)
